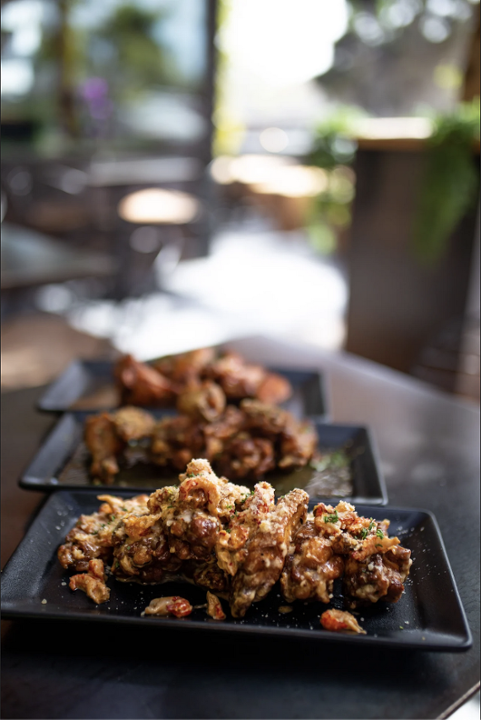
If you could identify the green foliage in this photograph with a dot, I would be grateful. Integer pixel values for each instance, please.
(451, 181)
(333, 151)
(136, 60)
(333, 144)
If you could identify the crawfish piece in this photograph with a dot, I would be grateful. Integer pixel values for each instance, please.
(341, 621)
(172, 605)
(92, 582)
(214, 607)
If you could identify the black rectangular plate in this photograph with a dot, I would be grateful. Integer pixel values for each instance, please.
(429, 615)
(87, 385)
(53, 466)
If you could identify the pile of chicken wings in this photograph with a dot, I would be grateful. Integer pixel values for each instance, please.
(242, 442)
(236, 543)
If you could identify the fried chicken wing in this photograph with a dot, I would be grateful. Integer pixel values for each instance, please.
(207, 574)
(311, 566)
(377, 577)
(140, 384)
(236, 543)
(205, 401)
(237, 378)
(104, 445)
(246, 456)
(274, 389)
(93, 535)
(145, 560)
(266, 552)
(132, 423)
(297, 446)
(185, 368)
(268, 419)
(193, 514)
(160, 382)
(176, 441)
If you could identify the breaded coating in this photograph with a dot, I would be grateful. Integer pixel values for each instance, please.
(266, 552)
(311, 566)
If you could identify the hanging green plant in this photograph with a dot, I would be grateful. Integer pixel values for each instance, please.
(450, 184)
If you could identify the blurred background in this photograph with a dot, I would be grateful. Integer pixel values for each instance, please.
(178, 173)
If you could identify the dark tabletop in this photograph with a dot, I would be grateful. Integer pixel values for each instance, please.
(429, 447)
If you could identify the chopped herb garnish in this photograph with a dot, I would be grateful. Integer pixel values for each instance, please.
(379, 533)
(365, 531)
(128, 547)
(331, 518)
(229, 530)
(124, 509)
(378, 545)
(112, 518)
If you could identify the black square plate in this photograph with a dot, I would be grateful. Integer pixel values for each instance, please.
(88, 385)
(429, 615)
(63, 460)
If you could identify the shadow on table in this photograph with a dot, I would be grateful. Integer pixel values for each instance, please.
(145, 673)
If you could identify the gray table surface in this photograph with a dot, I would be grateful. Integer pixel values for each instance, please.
(429, 447)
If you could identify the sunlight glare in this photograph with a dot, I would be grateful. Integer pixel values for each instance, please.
(282, 41)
